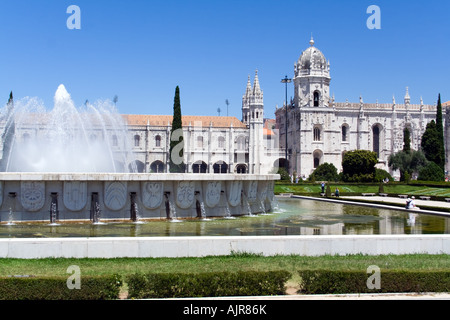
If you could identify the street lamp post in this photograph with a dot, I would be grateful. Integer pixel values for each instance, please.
(286, 80)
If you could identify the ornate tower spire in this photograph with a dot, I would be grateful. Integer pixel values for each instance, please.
(246, 102)
(249, 87)
(407, 97)
(256, 88)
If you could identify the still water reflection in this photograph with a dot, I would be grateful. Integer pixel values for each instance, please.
(291, 217)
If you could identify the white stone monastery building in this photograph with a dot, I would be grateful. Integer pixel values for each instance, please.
(320, 130)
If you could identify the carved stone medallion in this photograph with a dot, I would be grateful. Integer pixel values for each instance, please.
(152, 194)
(185, 194)
(234, 193)
(32, 195)
(75, 195)
(213, 189)
(115, 195)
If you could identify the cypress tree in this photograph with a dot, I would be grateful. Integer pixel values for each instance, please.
(176, 137)
(406, 140)
(430, 142)
(440, 132)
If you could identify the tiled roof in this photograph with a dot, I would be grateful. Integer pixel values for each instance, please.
(163, 120)
(268, 132)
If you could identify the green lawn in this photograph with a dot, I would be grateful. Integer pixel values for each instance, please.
(363, 188)
(291, 263)
(242, 262)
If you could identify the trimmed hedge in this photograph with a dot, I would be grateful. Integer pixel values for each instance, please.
(55, 288)
(211, 284)
(335, 282)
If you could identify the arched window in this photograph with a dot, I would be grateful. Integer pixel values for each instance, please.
(376, 140)
(317, 133)
(199, 142)
(26, 137)
(316, 98)
(241, 168)
(115, 141)
(221, 142)
(137, 140)
(344, 133)
(158, 141)
(157, 167)
(317, 155)
(241, 143)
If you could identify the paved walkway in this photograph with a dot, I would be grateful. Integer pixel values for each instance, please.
(393, 200)
(355, 296)
(391, 203)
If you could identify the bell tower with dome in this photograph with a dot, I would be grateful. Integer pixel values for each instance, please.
(312, 79)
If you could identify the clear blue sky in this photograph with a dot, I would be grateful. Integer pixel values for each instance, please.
(141, 50)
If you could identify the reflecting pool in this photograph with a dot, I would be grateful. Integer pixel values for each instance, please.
(291, 217)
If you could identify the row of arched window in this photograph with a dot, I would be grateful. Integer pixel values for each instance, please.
(317, 133)
(240, 142)
(254, 115)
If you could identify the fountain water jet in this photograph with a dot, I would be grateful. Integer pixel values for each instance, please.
(54, 212)
(246, 205)
(69, 139)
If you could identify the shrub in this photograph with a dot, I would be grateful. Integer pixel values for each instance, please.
(212, 284)
(381, 175)
(328, 192)
(431, 172)
(284, 175)
(359, 166)
(55, 288)
(335, 282)
(325, 172)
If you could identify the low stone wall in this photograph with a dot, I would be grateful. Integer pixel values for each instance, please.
(210, 246)
(65, 196)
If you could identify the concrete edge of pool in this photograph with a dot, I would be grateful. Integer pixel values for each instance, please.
(154, 247)
(363, 203)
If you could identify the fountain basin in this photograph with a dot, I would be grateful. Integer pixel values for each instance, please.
(95, 196)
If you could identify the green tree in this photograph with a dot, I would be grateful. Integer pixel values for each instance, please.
(407, 163)
(359, 166)
(406, 140)
(440, 134)
(431, 172)
(176, 163)
(328, 192)
(381, 175)
(284, 175)
(431, 145)
(324, 172)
